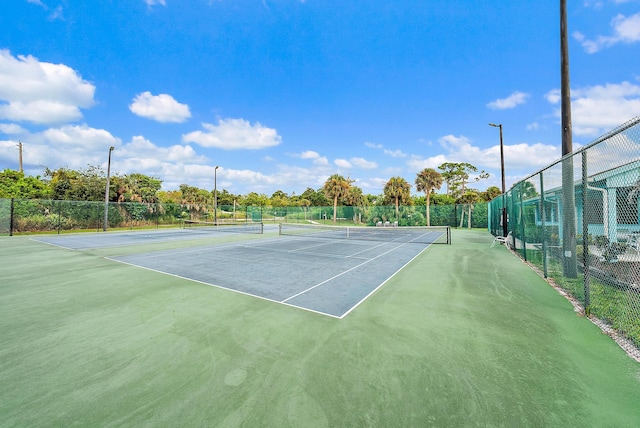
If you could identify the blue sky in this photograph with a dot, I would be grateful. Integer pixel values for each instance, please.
(280, 94)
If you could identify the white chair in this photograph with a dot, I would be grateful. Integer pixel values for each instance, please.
(501, 239)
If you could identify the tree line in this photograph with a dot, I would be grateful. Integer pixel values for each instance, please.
(89, 185)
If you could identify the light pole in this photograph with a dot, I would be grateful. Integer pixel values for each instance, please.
(215, 195)
(106, 193)
(569, 261)
(504, 206)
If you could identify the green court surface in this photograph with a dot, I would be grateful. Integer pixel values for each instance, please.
(464, 335)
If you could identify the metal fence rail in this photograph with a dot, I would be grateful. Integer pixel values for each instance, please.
(578, 220)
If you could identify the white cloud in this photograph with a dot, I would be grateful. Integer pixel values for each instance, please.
(553, 96)
(9, 151)
(162, 108)
(72, 146)
(40, 112)
(378, 183)
(417, 163)
(312, 155)
(175, 165)
(234, 134)
(342, 163)
(518, 157)
(309, 154)
(80, 136)
(395, 153)
(41, 92)
(284, 177)
(523, 155)
(511, 101)
(598, 109)
(76, 147)
(12, 129)
(392, 153)
(363, 163)
(625, 30)
(155, 2)
(140, 147)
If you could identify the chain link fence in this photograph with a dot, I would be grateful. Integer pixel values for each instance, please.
(467, 215)
(578, 221)
(5, 216)
(19, 216)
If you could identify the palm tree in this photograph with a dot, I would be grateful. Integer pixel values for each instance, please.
(491, 193)
(356, 199)
(305, 204)
(427, 180)
(336, 187)
(397, 189)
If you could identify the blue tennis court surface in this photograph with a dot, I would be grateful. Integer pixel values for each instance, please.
(326, 276)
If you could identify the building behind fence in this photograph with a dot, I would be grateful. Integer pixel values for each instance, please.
(578, 221)
(19, 216)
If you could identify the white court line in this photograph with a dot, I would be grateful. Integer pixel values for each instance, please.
(310, 253)
(383, 283)
(52, 244)
(244, 293)
(347, 271)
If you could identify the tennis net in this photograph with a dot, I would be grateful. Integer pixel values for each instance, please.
(414, 234)
(205, 226)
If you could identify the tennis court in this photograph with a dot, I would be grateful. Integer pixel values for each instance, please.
(322, 272)
(462, 335)
(324, 269)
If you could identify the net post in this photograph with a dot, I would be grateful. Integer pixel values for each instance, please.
(279, 228)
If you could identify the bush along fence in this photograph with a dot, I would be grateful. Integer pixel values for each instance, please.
(21, 216)
(578, 220)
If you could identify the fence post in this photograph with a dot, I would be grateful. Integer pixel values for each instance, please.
(455, 215)
(11, 218)
(59, 216)
(543, 220)
(585, 237)
(522, 225)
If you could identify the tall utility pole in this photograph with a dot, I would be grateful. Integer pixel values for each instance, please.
(565, 89)
(569, 263)
(20, 155)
